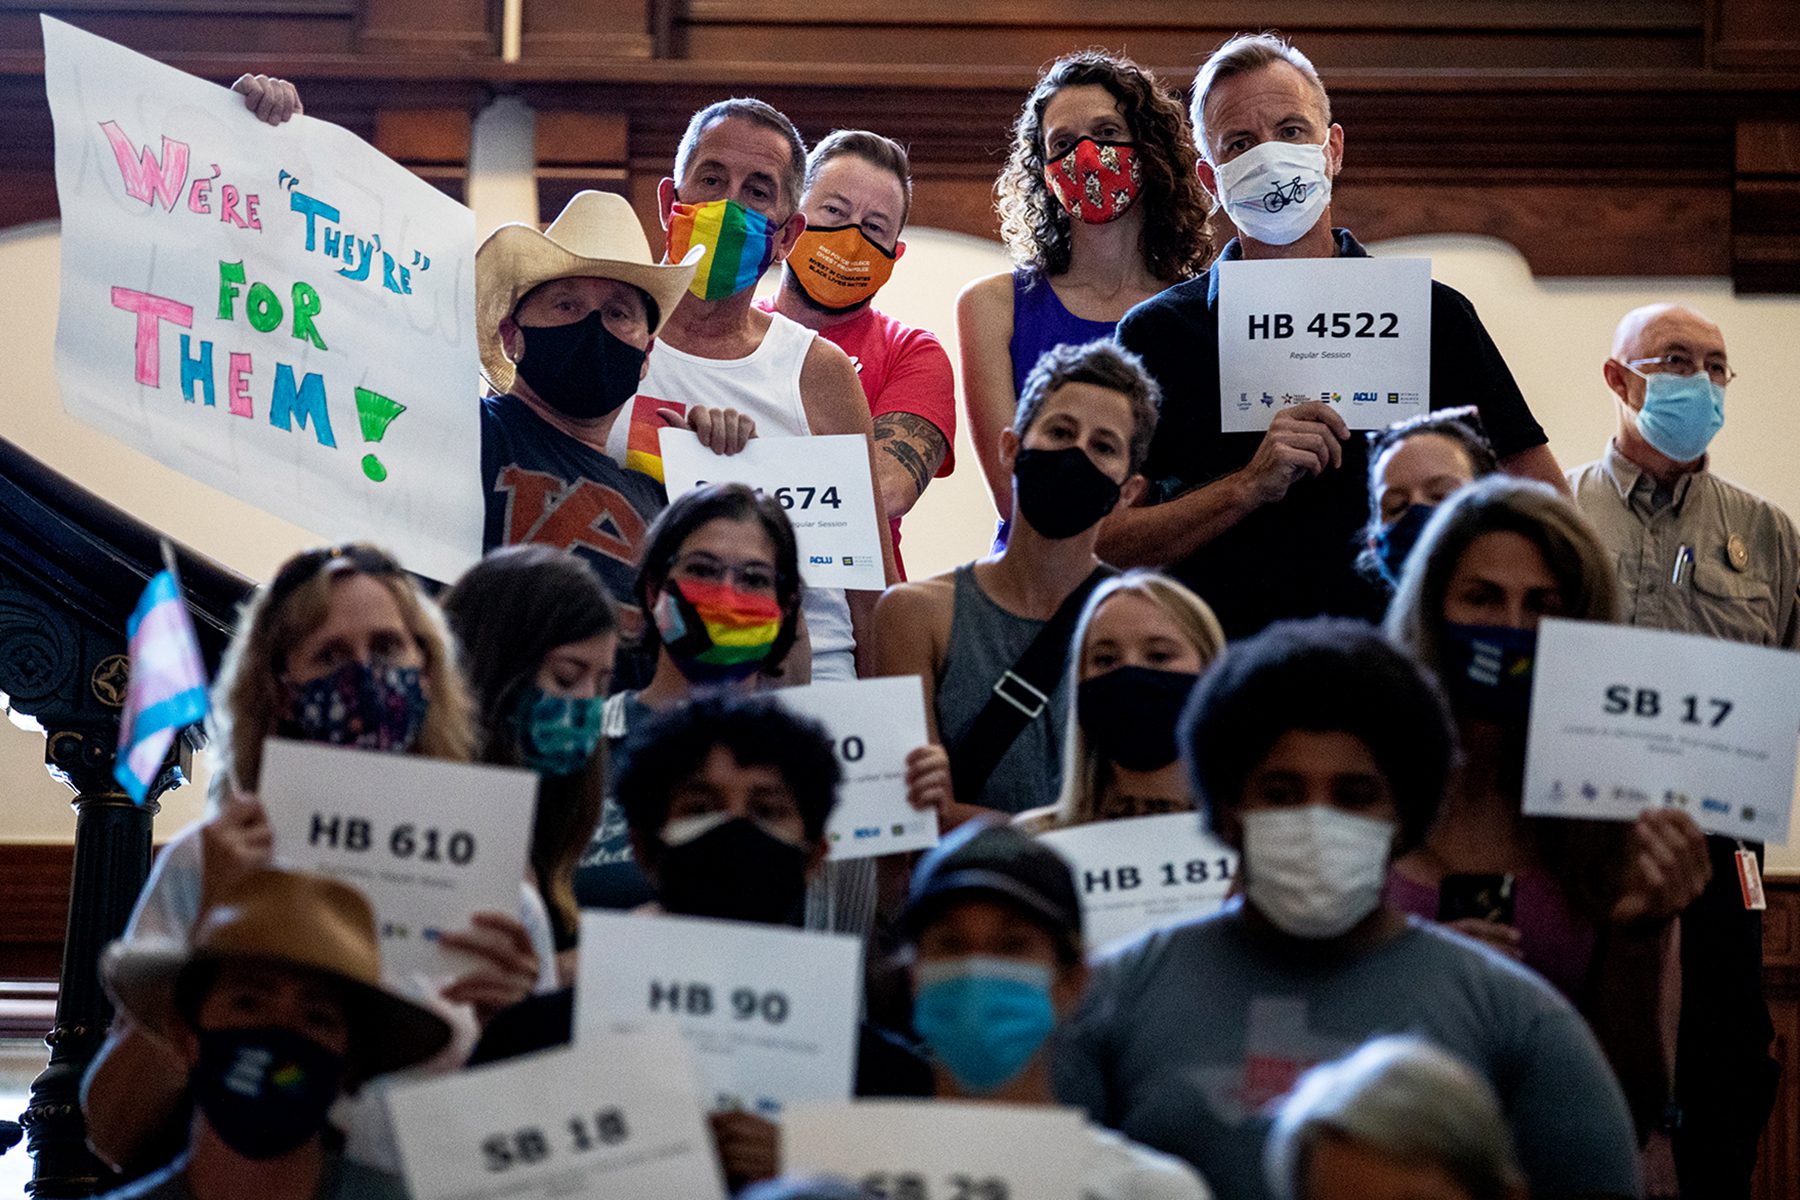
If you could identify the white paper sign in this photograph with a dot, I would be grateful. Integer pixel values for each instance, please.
(936, 1150)
(874, 724)
(823, 483)
(1142, 872)
(1354, 333)
(615, 1121)
(282, 313)
(1624, 719)
(770, 1012)
(429, 842)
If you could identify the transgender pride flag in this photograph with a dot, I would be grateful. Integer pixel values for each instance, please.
(167, 692)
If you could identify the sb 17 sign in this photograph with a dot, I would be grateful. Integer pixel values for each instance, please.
(770, 1013)
(429, 842)
(935, 1150)
(822, 482)
(617, 1120)
(282, 313)
(1353, 333)
(1625, 719)
(1143, 872)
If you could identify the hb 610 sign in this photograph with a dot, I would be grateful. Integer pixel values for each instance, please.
(1350, 333)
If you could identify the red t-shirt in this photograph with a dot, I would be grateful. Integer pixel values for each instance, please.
(902, 369)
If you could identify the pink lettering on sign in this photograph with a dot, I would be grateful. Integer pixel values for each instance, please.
(237, 386)
(146, 177)
(150, 310)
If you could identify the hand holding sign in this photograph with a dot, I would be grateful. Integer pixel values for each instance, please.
(822, 482)
(432, 843)
(1626, 719)
(616, 1120)
(1353, 334)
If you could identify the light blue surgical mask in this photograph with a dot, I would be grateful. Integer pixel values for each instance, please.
(1681, 414)
(984, 1019)
(556, 734)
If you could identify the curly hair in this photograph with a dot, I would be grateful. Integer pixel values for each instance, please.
(1035, 226)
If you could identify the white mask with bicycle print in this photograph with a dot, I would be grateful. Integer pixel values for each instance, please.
(1276, 191)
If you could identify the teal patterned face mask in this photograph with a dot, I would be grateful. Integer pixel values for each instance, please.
(556, 734)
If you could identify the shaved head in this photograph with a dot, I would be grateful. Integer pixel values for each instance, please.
(1655, 329)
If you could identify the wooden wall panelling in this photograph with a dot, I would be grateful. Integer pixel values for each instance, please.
(577, 151)
(431, 142)
(1765, 218)
(576, 29)
(457, 28)
(1752, 34)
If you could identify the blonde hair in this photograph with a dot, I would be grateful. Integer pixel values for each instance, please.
(1086, 773)
(248, 695)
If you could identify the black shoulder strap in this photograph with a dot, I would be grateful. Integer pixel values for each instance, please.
(1019, 697)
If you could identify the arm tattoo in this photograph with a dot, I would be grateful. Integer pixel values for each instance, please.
(915, 443)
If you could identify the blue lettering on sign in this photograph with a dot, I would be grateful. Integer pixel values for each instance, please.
(868, 831)
(1362, 398)
(823, 559)
(1711, 805)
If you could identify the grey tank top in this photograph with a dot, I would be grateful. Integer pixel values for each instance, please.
(985, 641)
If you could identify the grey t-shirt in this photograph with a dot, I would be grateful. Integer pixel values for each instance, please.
(1189, 1032)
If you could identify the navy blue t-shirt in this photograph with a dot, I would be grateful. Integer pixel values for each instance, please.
(546, 488)
(1296, 557)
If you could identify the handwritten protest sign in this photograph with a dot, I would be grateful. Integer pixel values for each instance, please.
(282, 313)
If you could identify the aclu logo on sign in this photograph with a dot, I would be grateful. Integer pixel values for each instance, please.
(867, 831)
(1362, 397)
(822, 560)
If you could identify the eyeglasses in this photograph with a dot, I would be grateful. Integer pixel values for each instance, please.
(1684, 366)
(704, 568)
(302, 567)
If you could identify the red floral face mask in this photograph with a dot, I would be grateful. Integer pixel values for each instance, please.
(1096, 181)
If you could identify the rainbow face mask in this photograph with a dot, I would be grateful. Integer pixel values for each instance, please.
(714, 632)
(739, 242)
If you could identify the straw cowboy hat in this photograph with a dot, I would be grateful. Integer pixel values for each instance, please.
(285, 919)
(596, 234)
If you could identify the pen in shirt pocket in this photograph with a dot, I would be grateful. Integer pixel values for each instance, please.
(1684, 566)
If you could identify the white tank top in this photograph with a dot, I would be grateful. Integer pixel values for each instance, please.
(765, 385)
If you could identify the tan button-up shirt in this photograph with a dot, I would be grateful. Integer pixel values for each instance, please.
(1744, 574)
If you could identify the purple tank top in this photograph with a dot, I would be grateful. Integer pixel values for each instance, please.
(1558, 944)
(1040, 323)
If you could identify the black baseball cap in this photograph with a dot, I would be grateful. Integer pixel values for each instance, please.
(983, 857)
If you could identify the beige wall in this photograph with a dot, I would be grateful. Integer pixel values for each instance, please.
(1553, 333)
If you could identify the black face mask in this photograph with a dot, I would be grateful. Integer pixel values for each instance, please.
(735, 871)
(580, 370)
(1061, 492)
(1129, 714)
(1396, 539)
(264, 1091)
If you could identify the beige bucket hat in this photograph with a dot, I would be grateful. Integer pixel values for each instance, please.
(288, 919)
(597, 233)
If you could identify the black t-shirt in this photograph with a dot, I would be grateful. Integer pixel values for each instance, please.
(1294, 558)
(544, 487)
(885, 1065)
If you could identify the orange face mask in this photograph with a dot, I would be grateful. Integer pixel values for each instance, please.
(840, 267)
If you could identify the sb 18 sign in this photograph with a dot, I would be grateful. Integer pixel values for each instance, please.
(1701, 725)
(524, 1147)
